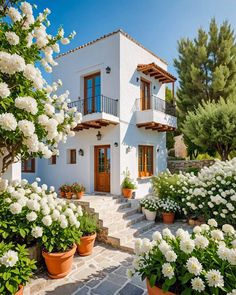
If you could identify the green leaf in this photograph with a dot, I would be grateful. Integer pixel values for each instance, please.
(153, 280)
(187, 291)
(186, 278)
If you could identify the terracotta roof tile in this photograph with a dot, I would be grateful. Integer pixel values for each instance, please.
(106, 36)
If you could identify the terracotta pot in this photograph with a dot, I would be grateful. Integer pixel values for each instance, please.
(150, 215)
(79, 195)
(20, 291)
(59, 264)
(127, 193)
(62, 194)
(86, 245)
(68, 195)
(168, 218)
(156, 291)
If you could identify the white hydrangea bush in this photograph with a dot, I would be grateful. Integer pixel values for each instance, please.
(30, 212)
(34, 118)
(212, 192)
(203, 262)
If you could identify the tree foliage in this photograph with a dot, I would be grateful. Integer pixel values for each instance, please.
(213, 125)
(33, 118)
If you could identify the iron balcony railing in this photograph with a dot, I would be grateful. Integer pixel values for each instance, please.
(96, 104)
(157, 104)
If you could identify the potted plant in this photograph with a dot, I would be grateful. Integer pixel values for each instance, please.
(58, 237)
(142, 203)
(150, 206)
(15, 268)
(63, 190)
(128, 185)
(199, 263)
(78, 190)
(68, 191)
(169, 207)
(89, 228)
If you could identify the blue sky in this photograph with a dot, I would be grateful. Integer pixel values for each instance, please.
(157, 24)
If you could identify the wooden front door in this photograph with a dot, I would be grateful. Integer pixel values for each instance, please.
(144, 95)
(102, 158)
(92, 94)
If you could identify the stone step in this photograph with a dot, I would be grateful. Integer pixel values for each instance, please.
(122, 213)
(123, 223)
(112, 207)
(127, 235)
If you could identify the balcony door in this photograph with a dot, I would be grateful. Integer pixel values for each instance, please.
(145, 99)
(92, 94)
(102, 162)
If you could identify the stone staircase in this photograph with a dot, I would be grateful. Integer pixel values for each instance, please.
(119, 221)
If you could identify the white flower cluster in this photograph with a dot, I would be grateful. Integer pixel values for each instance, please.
(22, 113)
(191, 253)
(150, 203)
(212, 191)
(168, 205)
(9, 259)
(41, 206)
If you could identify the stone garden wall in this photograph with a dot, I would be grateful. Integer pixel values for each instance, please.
(183, 165)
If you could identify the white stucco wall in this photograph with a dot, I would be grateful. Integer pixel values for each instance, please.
(122, 56)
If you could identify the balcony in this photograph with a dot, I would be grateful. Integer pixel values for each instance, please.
(155, 114)
(96, 112)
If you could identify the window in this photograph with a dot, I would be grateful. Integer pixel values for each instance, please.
(28, 166)
(72, 156)
(145, 160)
(53, 160)
(92, 94)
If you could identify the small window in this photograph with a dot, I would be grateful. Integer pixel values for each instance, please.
(53, 160)
(72, 156)
(145, 160)
(28, 166)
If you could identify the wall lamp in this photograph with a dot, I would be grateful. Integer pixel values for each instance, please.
(108, 70)
(158, 149)
(99, 135)
(81, 152)
(116, 144)
(137, 79)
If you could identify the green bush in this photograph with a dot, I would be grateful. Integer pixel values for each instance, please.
(88, 224)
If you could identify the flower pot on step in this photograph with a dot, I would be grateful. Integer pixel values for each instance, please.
(85, 247)
(68, 195)
(168, 217)
(156, 291)
(20, 290)
(150, 215)
(59, 264)
(79, 195)
(127, 193)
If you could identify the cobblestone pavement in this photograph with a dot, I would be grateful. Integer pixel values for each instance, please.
(102, 273)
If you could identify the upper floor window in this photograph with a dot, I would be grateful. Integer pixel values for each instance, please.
(145, 160)
(71, 156)
(92, 94)
(145, 97)
(53, 160)
(28, 166)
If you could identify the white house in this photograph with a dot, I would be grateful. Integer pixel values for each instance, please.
(119, 87)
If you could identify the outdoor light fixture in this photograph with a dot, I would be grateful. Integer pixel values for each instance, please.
(81, 152)
(158, 149)
(154, 87)
(116, 144)
(137, 79)
(108, 70)
(99, 135)
(128, 149)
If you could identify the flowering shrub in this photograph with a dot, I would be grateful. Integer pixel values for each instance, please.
(33, 118)
(150, 204)
(29, 212)
(212, 193)
(15, 267)
(168, 186)
(168, 205)
(77, 188)
(203, 262)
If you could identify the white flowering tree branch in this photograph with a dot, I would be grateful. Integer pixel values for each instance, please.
(34, 118)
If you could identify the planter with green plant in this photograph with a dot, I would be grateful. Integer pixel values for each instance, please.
(128, 185)
(168, 207)
(63, 189)
(89, 228)
(150, 208)
(78, 190)
(15, 268)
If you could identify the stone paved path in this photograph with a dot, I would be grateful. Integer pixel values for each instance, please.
(102, 273)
